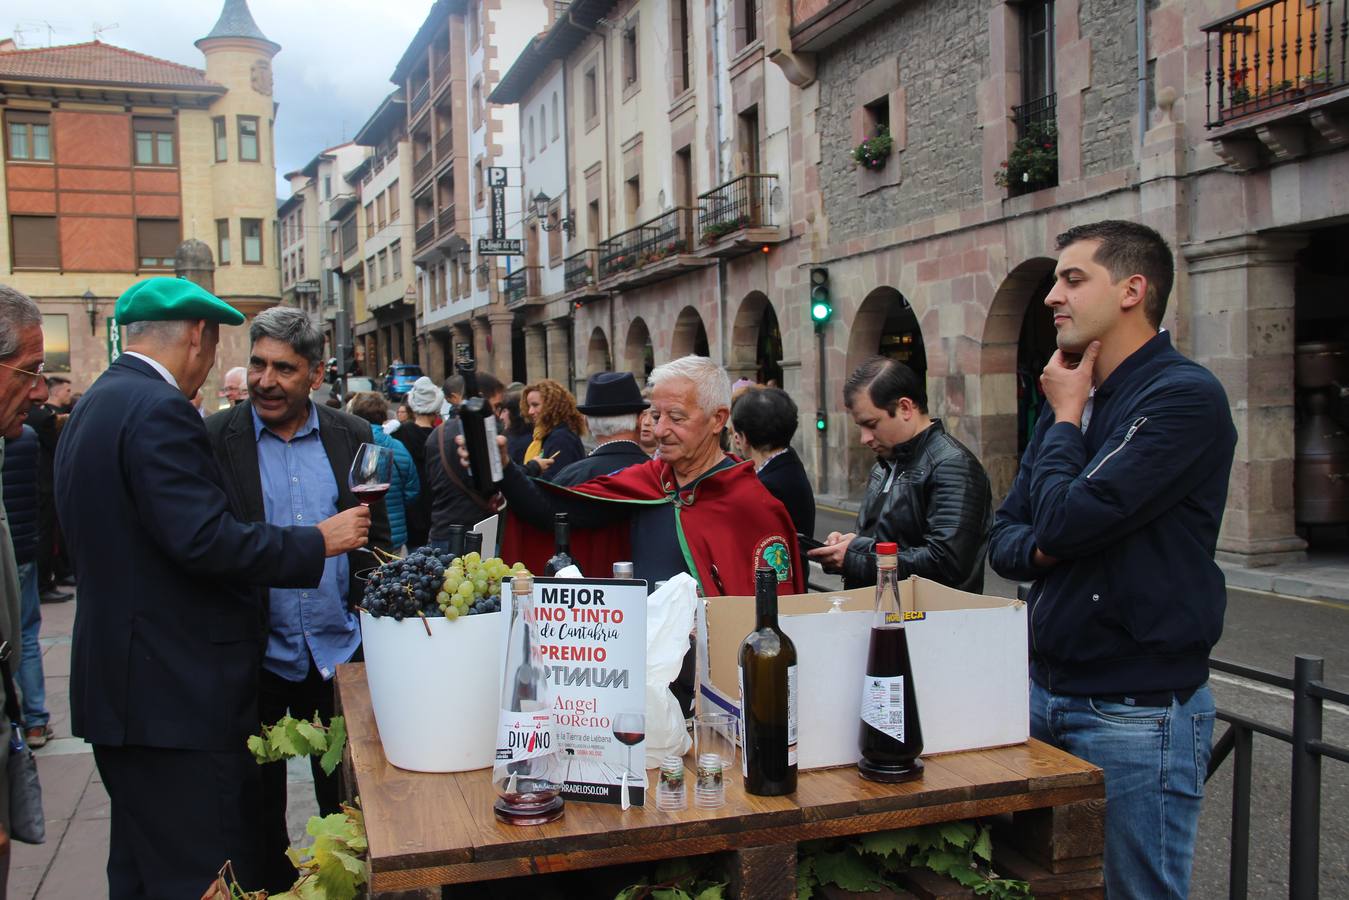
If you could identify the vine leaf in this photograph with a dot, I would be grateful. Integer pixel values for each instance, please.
(884, 843)
(337, 742)
(669, 894)
(317, 740)
(983, 847)
(712, 892)
(961, 834)
(848, 871)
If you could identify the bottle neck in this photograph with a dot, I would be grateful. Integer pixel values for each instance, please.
(888, 610)
(562, 539)
(765, 610)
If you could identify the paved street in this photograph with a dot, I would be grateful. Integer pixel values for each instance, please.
(1262, 629)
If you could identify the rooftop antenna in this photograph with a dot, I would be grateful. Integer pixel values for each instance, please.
(99, 29)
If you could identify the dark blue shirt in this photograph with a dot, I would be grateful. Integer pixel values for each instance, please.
(298, 488)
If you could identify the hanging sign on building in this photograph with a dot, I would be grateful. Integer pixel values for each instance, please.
(500, 247)
(496, 180)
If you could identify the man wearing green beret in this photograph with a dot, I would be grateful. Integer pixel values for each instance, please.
(169, 630)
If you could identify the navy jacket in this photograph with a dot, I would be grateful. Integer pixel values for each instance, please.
(568, 447)
(169, 631)
(1132, 509)
(21, 500)
(605, 460)
(786, 478)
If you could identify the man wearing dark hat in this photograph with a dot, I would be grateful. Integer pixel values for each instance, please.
(169, 631)
(613, 402)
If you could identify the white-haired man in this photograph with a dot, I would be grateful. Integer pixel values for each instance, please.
(613, 402)
(235, 385)
(692, 509)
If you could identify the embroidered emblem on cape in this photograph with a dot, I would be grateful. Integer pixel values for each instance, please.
(772, 552)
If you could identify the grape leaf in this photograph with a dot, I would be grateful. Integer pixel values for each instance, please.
(317, 740)
(967, 876)
(961, 834)
(669, 894)
(941, 862)
(337, 742)
(285, 740)
(258, 747)
(847, 870)
(983, 847)
(883, 843)
(712, 892)
(630, 891)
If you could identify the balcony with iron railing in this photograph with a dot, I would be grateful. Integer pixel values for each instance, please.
(653, 251)
(421, 167)
(425, 233)
(1276, 80)
(523, 285)
(578, 271)
(737, 217)
(1034, 162)
(420, 96)
(446, 219)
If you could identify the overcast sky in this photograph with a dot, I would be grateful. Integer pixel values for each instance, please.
(333, 69)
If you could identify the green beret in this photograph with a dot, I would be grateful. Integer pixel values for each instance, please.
(165, 299)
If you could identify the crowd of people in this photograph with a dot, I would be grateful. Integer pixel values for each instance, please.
(216, 555)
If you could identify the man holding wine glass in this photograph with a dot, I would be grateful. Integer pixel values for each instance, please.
(169, 628)
(289, 460)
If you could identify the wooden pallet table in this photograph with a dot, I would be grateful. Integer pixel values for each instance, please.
(428, 830)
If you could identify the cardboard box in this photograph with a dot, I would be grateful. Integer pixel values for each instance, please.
(969, 660)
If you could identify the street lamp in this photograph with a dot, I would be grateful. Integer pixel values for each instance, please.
(541, 201)
(91, 307)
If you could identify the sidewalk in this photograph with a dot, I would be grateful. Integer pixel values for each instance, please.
(72, 862)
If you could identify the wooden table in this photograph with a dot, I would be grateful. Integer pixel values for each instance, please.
(427, 830)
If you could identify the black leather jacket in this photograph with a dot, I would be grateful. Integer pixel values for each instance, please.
(932, 497)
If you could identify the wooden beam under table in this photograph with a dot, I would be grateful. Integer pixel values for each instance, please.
(426, 829)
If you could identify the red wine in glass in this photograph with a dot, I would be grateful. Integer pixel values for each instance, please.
(371, 473)
(366, 494)
(630, 730)
(629, 738)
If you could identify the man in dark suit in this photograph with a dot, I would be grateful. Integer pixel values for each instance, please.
(284, 456)
(765, 421)
(613, 402)
(168, 631)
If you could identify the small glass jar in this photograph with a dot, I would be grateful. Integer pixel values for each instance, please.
(671, 792)
(709, 788)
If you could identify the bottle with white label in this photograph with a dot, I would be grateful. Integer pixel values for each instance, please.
(891, 738)
(768, 696)
(525, 772)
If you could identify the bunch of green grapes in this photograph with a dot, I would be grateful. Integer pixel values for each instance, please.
(472, 585)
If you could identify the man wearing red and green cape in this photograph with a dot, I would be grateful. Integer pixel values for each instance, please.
(692, 509)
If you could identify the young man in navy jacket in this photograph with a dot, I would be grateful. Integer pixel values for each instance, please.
(1114, 515)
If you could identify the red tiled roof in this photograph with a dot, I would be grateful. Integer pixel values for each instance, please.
(98, 63)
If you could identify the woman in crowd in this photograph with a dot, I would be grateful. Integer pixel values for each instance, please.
(404, 485)
(765, 421)
(423, 403)
(518, 432)
(558, 425)
(646, 427)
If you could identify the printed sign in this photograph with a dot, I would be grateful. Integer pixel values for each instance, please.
(592, 648)
(496, 176)
(500, 247)
(498, 213)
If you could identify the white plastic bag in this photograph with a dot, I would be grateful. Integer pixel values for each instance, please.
(669, 619)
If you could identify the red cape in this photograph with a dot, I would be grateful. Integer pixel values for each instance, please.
(727, 523)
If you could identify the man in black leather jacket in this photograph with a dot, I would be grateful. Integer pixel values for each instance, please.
(927, 492)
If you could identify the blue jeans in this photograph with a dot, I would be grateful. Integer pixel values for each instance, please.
(29, 677)
(1154, 759)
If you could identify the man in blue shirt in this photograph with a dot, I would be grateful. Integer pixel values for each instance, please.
(285, 461)
(1114, 515)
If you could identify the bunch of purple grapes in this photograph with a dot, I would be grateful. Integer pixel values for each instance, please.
(402, 588)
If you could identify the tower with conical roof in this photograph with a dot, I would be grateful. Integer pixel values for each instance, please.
(243, 172)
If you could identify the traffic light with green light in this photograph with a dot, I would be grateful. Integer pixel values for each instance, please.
(821, 307)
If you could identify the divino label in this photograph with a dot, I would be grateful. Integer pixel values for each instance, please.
(791, 715)
(524, 735)
(883, 704)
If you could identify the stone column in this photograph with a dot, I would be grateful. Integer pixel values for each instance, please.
(559, 351)
(1241, 302)
(481, 330)
(499, 324)
(409, 327)
(536, 353)
(434, 357)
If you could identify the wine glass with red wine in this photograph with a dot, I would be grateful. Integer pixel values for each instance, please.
(630, 729)
(370, 473)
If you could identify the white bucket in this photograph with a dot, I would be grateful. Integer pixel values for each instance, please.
(436, 696)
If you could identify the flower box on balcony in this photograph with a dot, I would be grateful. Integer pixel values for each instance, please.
(718, 230)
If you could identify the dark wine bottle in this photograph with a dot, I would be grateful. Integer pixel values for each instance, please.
(891, 738)
(454, 537)
(473, 543)
(768, 696)
(479, 423)
(561, 546)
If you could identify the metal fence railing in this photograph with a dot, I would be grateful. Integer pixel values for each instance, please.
(578, 270)
(1273, 54)
(739, 203)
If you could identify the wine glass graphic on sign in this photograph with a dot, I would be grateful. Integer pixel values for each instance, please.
(370, 473)
(630, 729)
